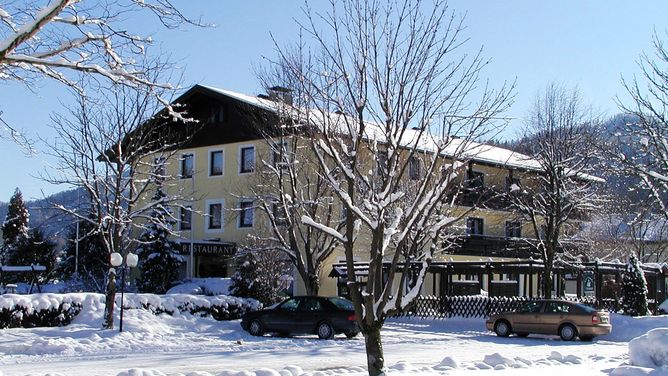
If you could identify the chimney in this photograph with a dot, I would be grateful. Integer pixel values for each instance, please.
(280, 94)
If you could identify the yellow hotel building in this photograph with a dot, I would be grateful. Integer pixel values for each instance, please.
(217, 166)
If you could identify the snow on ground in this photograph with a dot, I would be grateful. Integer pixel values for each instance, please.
(183, 344)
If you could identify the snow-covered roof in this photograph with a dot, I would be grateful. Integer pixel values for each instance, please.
(475, 151)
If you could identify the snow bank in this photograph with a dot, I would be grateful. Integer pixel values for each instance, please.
(650, 349)
(203, 286)
(626, 328)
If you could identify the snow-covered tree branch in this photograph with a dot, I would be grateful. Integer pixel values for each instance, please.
(389, 94)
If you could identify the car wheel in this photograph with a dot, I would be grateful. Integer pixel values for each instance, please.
(352, 334)
(325, 331)
(567, 332)
(502, 328)
(255, 328)
(522, 334)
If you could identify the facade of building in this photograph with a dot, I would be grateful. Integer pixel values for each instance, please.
(217, 169)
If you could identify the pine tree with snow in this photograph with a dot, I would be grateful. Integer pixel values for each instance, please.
(158, 254)
(92, 258)
(634, 286)
(34, 249)
(15, 226)
(260, 275)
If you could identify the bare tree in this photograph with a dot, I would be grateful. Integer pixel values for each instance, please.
(61, 39)
(560, 138)
(641, 146)
(113, 147)
(388, 95)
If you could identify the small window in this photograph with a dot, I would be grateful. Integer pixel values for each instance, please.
(414, 168)
(474, 226)
(217, 115)
(216, 163)
(475, 180)
(513, 229)
(215, 216)
(247, 162)
(159, 168)
(185, 218)
(187, 166)
(246, 214)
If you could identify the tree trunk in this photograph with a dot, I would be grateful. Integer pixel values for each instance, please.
(547, 282)
(110, 297)
(312, 285)
(374, 351)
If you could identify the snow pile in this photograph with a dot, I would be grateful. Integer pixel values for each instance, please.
(626, 328)
(650, 350)
(203, 286)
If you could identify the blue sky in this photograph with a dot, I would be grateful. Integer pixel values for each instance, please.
(591, 44)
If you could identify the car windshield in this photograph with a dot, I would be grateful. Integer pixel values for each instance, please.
(342, 303)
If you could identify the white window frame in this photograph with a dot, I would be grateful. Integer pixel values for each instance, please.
(210, 160)
(240, 210)
(181, 159)
(240, 161)
(207, 216)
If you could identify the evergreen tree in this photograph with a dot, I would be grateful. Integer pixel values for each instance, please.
(261, 275)
(15, 226)
(92, 259)
(634, 302)
(158, 254)
(34, 249)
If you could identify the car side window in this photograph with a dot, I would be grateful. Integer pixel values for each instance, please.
(531, 307)
(557, 307)
(311, 305)
(290, 305)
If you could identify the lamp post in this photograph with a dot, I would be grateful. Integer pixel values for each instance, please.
(130, 262)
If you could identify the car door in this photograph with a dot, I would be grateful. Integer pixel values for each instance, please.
(311, 312)
(526, 317)
(283, 318)
(555, 313)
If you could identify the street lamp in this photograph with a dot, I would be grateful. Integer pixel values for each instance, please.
(130, 262)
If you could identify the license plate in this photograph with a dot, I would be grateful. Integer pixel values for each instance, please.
(604, 319)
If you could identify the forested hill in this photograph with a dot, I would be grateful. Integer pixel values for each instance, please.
(44, 216)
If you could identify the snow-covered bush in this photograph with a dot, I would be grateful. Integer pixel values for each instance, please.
(31, 311)
(634, 286)
(218, 307)
(28, 311)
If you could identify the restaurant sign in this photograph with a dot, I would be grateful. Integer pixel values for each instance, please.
(224, 249)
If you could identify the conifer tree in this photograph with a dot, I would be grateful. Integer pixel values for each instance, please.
(34, 249)
(15, 226)
(92, 258)
(158, 254)
(261, 275)
(634, 302)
